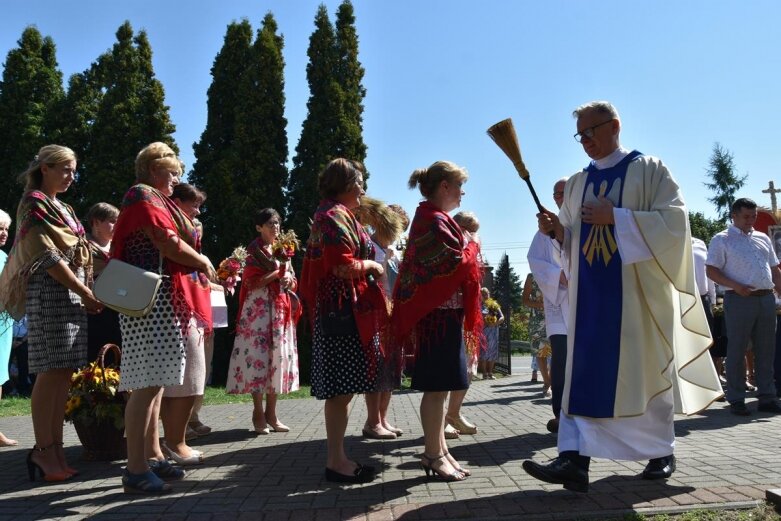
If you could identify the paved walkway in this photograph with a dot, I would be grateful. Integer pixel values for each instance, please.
(724, 461)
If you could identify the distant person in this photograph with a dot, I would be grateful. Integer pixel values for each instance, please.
(538, 338)
(638, 330)
(743, 259)
(6, 325)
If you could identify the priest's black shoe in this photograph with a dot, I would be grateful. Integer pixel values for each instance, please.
(660, 468)
(561, 471)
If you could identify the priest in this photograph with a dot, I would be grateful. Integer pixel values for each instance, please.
(637, 348)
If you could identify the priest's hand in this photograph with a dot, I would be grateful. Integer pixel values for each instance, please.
(598, 212)
(548, 222)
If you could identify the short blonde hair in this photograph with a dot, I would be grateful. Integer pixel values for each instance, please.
(51, 155)
(5, 218)
(428, 179)
(600, 107)
(154, 155)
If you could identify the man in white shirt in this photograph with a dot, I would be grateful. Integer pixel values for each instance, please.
(637, 343)
(743, 260)
(545, 263)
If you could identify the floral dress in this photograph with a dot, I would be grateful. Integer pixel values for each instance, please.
(264, 357)
(538, 337)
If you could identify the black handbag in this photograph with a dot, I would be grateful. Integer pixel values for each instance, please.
(339, 320)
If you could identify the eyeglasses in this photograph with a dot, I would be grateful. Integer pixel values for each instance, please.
(558, 194)
(589, 132)
(273, 223)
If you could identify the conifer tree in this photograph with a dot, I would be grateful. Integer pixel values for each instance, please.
(261, 136)
(131, 114)
(507, 285)
(319, 141)
(217, 162)
(350, 73)
(726, 182)
(31, 86)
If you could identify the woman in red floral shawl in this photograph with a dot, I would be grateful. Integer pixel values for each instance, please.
(436, 306)
(153, 233)
(346, 307)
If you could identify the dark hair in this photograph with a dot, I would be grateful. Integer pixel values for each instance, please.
(337, 177)
(187, 193)
(265, 215)
(743, 202)
(100, 212)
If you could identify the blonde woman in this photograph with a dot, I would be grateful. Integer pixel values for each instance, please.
(48, 276)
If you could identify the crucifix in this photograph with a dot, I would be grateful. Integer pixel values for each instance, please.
(772, 190)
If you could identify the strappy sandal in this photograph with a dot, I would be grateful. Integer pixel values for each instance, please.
(465, 472)
(146, 483)
(427, 463)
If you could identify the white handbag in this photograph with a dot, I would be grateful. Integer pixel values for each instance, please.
(128, 289)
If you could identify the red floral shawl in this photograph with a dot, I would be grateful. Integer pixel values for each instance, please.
(258, 265)
(337, 238)
(144, 206)
(436, 265)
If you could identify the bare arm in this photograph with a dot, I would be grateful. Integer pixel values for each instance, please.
(62, 274)
(527, 294)
(718, 276)
(776, 272)
(358, 268)
(172, 247)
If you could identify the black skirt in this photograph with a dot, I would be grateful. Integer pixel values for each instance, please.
(440, 363)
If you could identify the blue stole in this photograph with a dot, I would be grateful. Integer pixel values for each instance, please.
(597, 339)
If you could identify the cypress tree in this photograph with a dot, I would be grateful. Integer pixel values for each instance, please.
(725, 180)
(261, 138)
(217, 165)
(350, 73)
(319, 142)
(131, 114)
(508, 289)
(31, 86)
(74, 117)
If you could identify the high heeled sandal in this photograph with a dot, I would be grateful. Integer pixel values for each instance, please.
(70, 470)
(460, 423)
(437, 473)
(465, 472)
(146, 483)
(31, 466)
(195, 458)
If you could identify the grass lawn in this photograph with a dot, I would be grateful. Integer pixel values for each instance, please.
(15, 406)
(764, 512)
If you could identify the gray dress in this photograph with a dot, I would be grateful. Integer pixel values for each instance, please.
(56, 322)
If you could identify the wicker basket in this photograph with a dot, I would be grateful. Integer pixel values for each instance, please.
(102, 441)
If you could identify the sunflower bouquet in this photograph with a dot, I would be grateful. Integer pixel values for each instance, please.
(229, 270)
(494, 312)
(93, 397)
(286, 245)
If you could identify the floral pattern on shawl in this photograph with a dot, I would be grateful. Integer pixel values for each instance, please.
(44, 225)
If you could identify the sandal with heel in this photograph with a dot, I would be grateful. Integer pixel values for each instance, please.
(427, 463)
(32, 466)
(457, 466)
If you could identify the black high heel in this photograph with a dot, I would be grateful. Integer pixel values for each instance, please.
(31, 466)
(438, 474)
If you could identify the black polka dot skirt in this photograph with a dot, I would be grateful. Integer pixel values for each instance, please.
(339, 364)
(152, 346)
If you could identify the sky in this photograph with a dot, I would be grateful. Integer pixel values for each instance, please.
(683, 75)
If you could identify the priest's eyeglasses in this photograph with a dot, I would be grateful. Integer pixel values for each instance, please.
(589, 132)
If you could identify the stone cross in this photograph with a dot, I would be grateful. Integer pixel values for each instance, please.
(772, 190)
